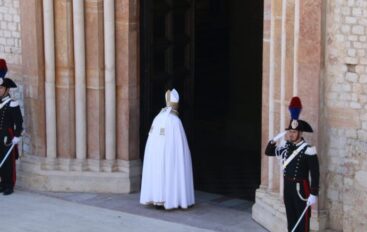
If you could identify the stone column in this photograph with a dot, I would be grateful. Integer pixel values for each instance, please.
(80, 86)
(296, 45)
(65, 93)
(127, 88)
(274, 87)
(48, 21)
(266, 90)
(110, 79)
(127, 70)
(95, 82)
(33, 74)
(310, 68)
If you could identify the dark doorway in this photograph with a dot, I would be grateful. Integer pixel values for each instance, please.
(213, 51)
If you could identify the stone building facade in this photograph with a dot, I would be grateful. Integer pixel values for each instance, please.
(10, 39)
(329, 38)
(77, 66)
(345, 114)
(69, 143)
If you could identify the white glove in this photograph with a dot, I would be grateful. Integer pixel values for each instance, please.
(312, 199)
(15, 140)
(279, 136)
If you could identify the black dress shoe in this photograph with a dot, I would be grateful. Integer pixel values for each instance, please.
(8, 191)
(159, 207)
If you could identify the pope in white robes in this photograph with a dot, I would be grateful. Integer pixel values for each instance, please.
(167, 169)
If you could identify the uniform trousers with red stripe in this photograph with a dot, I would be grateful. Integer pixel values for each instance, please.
(7, 171)
(294, 205)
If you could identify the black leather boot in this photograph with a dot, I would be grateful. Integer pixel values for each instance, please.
(8, 191)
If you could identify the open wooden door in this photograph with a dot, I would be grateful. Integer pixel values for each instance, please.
(167, 56)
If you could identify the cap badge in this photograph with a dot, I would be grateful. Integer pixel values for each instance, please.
(294, 124)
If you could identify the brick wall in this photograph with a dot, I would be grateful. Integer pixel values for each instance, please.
(345, 114)
(10, 42)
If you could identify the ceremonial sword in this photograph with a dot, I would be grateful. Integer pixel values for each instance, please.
(299, 219)
(7, 154)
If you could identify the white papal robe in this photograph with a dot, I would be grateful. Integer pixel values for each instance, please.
(167, 169)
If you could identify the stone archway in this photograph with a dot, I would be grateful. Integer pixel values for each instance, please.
(213, 51)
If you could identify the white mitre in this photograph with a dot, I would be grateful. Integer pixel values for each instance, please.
(174, 97)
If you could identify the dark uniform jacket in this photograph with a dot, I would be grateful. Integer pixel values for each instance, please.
(305, 163)
(10, 122)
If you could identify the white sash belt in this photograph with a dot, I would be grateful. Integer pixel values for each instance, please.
(4, 103)
(294, 154)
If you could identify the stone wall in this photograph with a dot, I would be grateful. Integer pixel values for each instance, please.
(345, 114)
(10, 45)
(343, 122)
(63, 77)
(10, 41)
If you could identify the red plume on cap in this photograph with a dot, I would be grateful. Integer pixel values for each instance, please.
(295, 107)
(3, 64)
(3, 68)
(6, 82)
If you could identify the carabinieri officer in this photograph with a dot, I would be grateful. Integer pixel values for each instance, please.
(299, 159)
(11, 128)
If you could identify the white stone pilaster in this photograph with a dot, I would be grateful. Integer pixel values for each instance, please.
(49, 37)
(110, 78)
(80, 84)
(296, 45)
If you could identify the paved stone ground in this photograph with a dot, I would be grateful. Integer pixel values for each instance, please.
(30, 211)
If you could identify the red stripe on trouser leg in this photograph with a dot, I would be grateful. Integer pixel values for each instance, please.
(14, 174)
(12, 158)
(306, 188)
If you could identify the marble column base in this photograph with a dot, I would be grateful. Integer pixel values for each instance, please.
(72, 175)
